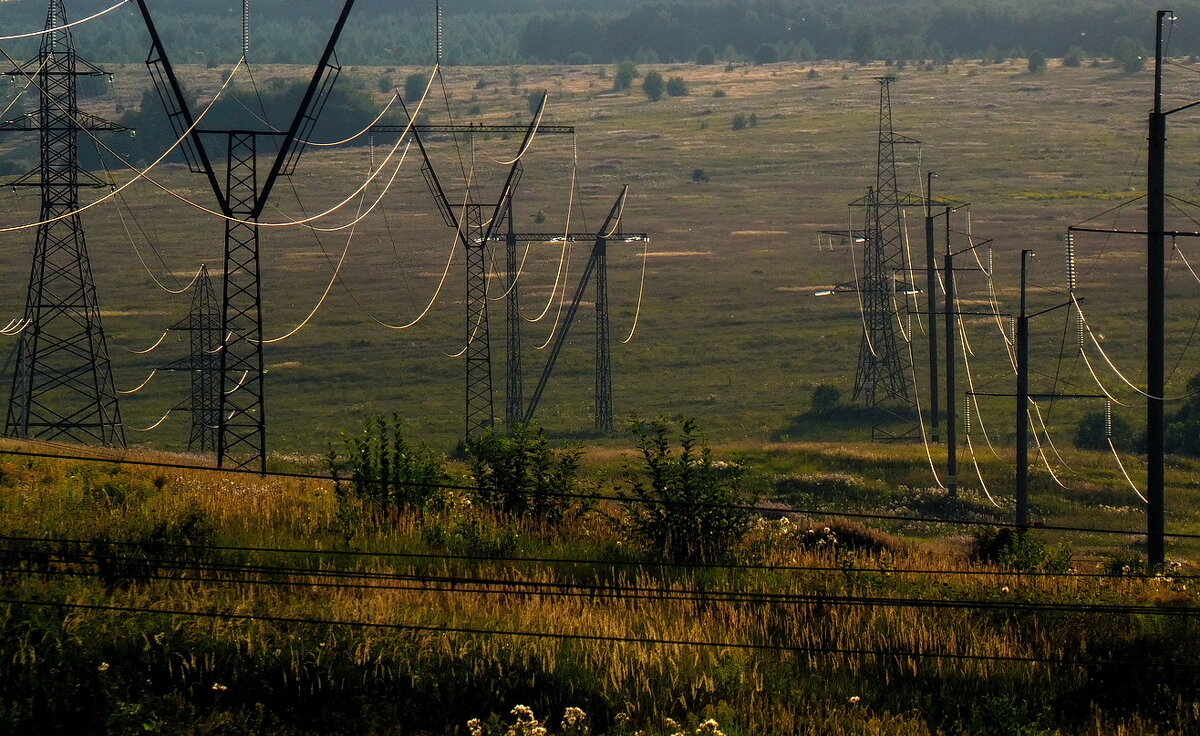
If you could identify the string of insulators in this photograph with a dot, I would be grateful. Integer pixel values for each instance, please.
(1108, 419)
(1070, 245)
(967, 414)
(908, 323)
(1079, 327)
(1012, 326)
(245, 29)
(438, 34)
(989, 259)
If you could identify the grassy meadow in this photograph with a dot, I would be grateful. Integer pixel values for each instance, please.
(728, 331)
(279, 570)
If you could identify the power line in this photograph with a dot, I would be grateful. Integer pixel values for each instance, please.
(647, 564)
(955, 656)
(601, 497)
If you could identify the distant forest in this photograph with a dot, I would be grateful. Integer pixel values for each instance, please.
(490, 32)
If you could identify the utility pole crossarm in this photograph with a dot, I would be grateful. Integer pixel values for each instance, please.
(310, 107)
(473, 128)
(571, 237)
(179, 114)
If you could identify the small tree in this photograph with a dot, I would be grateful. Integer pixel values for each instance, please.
(384, 469)
(414, 87)
(1090, 432)
(706, 55)
(676, 87)
(738, 122)
(520, 474)
(653, 86)
(1130, 54)
(684, 506)
(700, 176)
(1037, 62)
(767, 53)
(1073, 57)
(624, 76)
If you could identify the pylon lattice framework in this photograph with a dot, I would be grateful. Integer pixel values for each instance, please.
(880, 378)
(62, 384)
(204, 325)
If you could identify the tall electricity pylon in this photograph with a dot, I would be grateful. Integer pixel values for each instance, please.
(242, 433)
(62, 385)
(204, 326)
(880, 379)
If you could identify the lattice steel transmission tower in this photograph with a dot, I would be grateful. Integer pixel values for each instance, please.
(880, 378)
(514, 395)
(204, 325)
(62, 385)
(476, 235)
(242, 433)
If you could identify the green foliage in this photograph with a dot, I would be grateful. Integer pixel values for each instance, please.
(579, 58)
(1130, 54)
(738, 122)
(679, 503)
(718, 93)
(766, 53)
(653, 86)
(1090, 433)
(1073, 58)
(677, 87)
(384, 470)
(705, 55)
(414, 86)
(624, 76)
(812, 74)
(1018, 550)
(700, 176)
(1182, 435)
(825, 400)
(1037, 62)
(520, 474)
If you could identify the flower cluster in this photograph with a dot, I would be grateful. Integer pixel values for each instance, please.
(574, 723)
(706, 728)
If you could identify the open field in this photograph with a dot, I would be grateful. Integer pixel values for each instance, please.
(732, 264)
(281, 607)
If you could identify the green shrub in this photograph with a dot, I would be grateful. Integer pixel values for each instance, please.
(767, 53)
(1090, 432)
(414, 86)
(1019, 551)
(653, 86)
(624, 76)
(1130, 54)
(700, 176)
(520, 474)
(706, 55)
(677, 87)
(679, 504)
(1073, 57)
(738, 122)
(384, 470)
(1037, 62)
(825, 400)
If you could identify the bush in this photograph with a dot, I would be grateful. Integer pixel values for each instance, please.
(700, 176)
(624, 76)
(706, 55)
(676, 87)
(718, 93)
(813, 74)
(653, 86)
(384, 470)
(680, 504)
(520, 474)
(1019, 551)
(414, 86)
(1037, 62)
(1090, 433)
(767, 53)
(1073, 57)
(1129, 54)
(579, 58)
(1182, 434)
(738, 122)
(825, 400)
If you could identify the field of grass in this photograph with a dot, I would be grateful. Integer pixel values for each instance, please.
(728, 311)
(371, 629)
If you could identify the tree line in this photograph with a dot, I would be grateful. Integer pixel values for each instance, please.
(608, 31)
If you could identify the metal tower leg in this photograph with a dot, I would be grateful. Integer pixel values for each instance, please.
(480, 410)
(204, 321)
(514, 398)
(63, 385)
(242, 438)
(604, 406)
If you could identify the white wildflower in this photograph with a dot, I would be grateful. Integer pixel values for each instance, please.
(854, 699)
